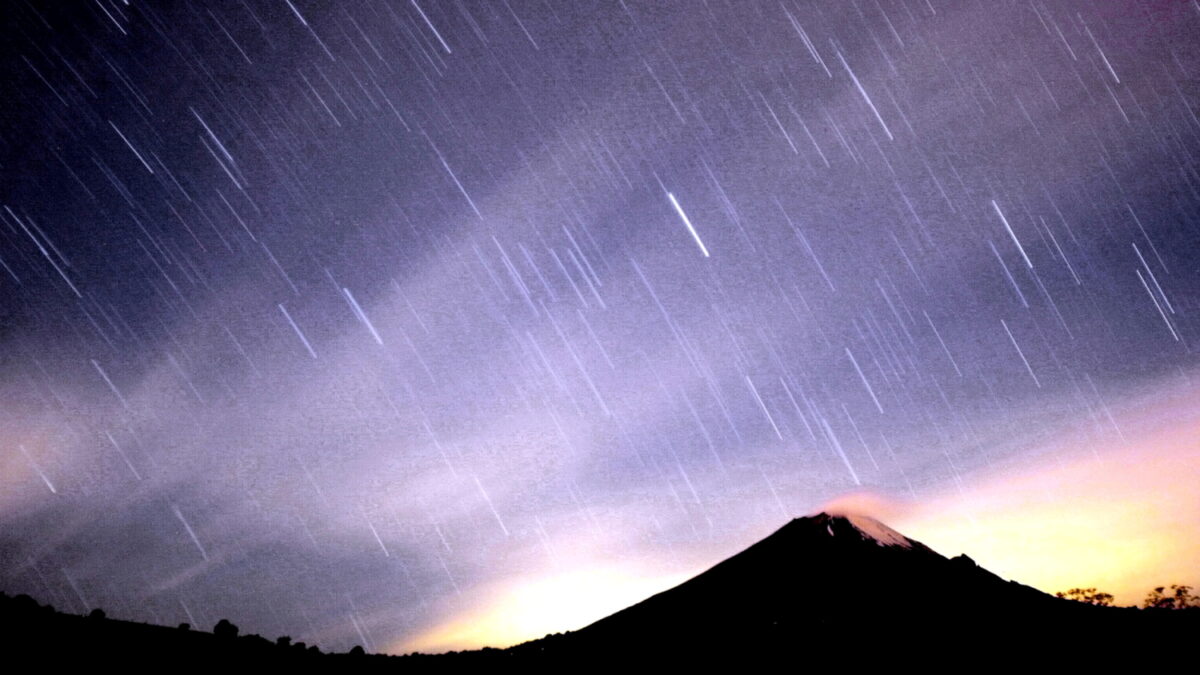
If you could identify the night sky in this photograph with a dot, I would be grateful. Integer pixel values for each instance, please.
(336, 319)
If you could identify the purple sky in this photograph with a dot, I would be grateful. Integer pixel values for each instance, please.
(326, 317)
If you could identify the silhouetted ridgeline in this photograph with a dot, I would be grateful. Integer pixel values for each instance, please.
(43, 637)
(824, 587)
(852, 586)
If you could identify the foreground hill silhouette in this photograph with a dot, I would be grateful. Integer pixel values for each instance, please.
(825, 586)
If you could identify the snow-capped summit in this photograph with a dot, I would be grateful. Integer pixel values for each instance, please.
(863, 526)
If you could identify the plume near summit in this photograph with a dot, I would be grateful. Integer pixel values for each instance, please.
(434, 325)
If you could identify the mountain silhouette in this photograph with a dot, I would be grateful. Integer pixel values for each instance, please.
(849, 582)
(823, 589)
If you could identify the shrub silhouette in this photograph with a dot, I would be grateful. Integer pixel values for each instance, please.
(97, 614)
(1180, 598)
(1087, 595)
(224, 629)
(25, 603)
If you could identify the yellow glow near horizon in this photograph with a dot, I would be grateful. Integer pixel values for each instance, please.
(1123, 521)
(1123, 518)
(532, 607)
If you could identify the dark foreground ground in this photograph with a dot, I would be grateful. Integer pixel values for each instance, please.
(34, 637)
(823, 591)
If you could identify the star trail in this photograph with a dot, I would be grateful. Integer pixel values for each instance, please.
(332, 318)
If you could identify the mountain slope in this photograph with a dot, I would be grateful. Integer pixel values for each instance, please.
(845, 590)
(844, 581)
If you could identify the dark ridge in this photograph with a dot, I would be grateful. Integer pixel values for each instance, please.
(820, 587)
(39, 635)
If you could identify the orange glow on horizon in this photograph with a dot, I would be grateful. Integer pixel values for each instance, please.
(1123, 520)
(529, 608)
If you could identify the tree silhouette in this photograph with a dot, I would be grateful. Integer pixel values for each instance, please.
(224, 629)
(1087, 595)
(1180, 597)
